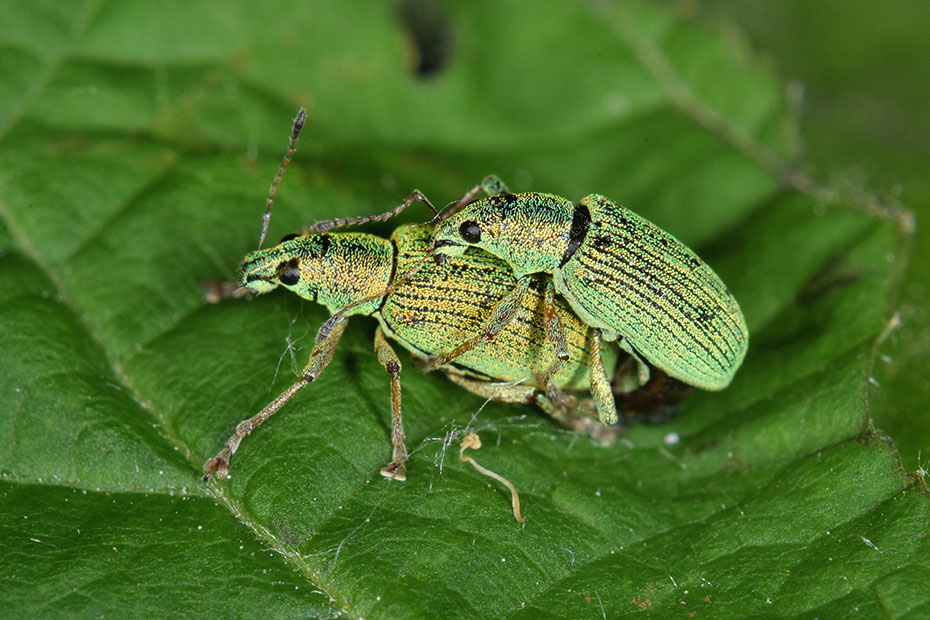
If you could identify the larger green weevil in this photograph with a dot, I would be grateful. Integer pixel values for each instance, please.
(622, 275)
(429, 307)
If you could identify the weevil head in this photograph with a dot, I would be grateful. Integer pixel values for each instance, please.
(263, 271)
(530, 231)
(477, 225)
(333, 269)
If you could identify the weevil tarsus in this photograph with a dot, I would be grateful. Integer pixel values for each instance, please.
(320, 357)
(298, 126)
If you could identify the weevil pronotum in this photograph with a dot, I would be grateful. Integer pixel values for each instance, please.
(622, 275)
(430, 307)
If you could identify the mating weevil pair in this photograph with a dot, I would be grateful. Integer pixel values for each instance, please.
(486, 317)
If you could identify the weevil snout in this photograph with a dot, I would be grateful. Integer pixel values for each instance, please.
(262, 271)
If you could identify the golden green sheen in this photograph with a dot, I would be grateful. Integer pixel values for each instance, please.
(445, 304)
(674, 310)
(334, 269)
(619, 272)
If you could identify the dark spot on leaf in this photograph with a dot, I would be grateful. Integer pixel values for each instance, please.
(430, 33)
(833, 275)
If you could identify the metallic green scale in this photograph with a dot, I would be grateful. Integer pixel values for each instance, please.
(438, 308)
(429, 307)
(444, 304)
(469, 316)
(333, 270)
(620, 273)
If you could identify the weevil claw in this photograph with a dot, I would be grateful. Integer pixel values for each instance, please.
(395, 470)
(216, 465)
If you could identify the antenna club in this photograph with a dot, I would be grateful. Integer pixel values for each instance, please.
(299, 123)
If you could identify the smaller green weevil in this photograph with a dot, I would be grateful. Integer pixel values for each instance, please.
(620, 273)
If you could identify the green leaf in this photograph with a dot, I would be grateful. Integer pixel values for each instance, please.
(866, 121)
(137, 142)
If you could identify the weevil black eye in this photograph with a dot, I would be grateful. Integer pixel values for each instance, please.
(290, 272)
(288, 238)
(470, 232)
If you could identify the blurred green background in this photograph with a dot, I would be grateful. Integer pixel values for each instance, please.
(864, 82)
(769, 499)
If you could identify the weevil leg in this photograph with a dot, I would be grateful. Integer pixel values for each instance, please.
(564, 409)
(324, 225)
(555, 334)
(490, 185)
(600, 386)
(320, 356)
(632, 381)
(387, 358)
(504, 312)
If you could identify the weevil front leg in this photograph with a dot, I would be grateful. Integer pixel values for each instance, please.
(490, 185)
(563, 409)
(600, 388)
(387, 358)
(504, 312)
(319, 358)
(322, 226)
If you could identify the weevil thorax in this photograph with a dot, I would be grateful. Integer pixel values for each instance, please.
(331, 269)
(533, 232)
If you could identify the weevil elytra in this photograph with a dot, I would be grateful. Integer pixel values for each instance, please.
(429, 307)
(620, 273)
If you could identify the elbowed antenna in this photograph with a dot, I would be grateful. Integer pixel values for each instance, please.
(295, 133)
(324, 225)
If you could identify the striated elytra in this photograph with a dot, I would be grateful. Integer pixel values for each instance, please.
(620, 273)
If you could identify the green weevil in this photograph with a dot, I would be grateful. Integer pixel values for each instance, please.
(429, 307)
(620, 273)
(433, 308)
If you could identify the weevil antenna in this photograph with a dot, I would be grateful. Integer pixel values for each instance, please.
(295, 133)
(415, 196)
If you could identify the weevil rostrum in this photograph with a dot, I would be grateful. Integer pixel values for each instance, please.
(621, 274)
(430, 307)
